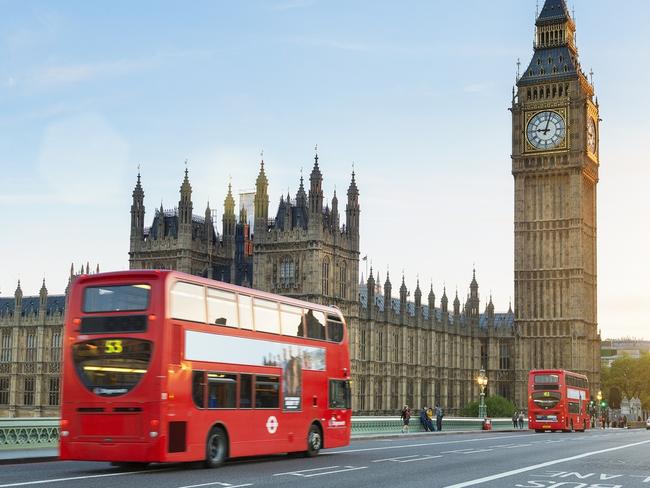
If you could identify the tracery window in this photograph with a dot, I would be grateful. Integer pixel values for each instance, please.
(287, 272)
(326, 276)
(343, 280)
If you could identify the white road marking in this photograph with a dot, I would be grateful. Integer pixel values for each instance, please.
(322, 472)
(505, 474)
(228, 485)
(422, 444)
(57, 480)
(423, 458)
(395, 458)
(345, 468)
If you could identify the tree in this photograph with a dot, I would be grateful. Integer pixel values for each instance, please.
(497, 406)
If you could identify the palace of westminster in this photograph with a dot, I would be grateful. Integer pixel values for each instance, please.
(402, 351)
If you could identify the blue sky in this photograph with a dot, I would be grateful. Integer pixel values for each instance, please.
(414, 93)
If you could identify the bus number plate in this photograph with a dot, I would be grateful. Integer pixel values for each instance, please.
(113, 346)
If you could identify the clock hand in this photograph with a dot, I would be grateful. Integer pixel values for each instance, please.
(547, 122)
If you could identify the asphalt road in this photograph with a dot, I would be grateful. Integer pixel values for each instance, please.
(595, 459)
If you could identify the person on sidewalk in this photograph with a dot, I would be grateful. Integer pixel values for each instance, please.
(430, 417)
(521, 419)
(439, 415)
(424, 420)
(406, 417)
(515, 417)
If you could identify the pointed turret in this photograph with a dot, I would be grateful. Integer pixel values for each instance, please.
(352, 210)
(388, 290)
(208, 226)
(456, 306)
(490, 309)
(229, 220)
(243, 216)
(18, 299)
(403, 296)
(418, 295)
(261, 203)
(473, 301)
(370, 287)
(42, 295)
(185, 204)
(137, 216)
(334, 219)
(432, 302)
(301, 196)
(556, 55)
(316, 190)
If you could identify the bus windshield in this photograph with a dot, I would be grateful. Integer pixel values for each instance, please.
(116, 298)
(110, 367)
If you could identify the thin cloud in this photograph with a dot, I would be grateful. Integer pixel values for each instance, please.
(75, 73)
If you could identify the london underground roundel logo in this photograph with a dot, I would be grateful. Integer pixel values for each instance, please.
(272, 424)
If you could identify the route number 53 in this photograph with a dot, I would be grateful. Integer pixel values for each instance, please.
(113, 346)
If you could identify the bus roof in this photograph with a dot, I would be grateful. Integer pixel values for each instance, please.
(557, 371)
(166, 275)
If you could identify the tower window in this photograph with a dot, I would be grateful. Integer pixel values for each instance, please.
(326, 276)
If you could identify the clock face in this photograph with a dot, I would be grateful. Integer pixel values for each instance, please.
(591, 135)
(546, 130)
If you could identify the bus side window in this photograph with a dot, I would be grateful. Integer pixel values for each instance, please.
(198, 388)
(334, 328)
(315, 324)
(188, 302)
(266, 316)
(245, 391)
(222, 308)
(222, 389)
(291, 320)
(245, 312)
(267, 392)
(339, 394)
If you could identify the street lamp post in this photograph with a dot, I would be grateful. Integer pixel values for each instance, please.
(482, 383)
(599, 407)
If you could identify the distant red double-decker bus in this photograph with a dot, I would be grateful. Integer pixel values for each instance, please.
(161, 366)
(558, 400)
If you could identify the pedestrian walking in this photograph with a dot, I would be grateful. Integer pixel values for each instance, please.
(515, 418)
(521, 419)
(406, 417)
(439, 415)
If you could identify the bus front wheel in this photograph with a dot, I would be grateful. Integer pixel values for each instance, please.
(216, 449)
(314, 441)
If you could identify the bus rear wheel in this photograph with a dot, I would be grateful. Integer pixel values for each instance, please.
(314, 441)
(216, 448)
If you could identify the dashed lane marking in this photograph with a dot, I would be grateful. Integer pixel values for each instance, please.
(407, 459)
(218, 483)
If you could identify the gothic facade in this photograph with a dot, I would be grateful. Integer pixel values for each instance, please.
(402, 351)
(555, 161)
(31, 337)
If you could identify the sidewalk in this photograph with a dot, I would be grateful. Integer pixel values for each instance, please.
(28, 456)
(385, 435)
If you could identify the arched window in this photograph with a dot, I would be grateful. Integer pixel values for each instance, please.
(287, 272)
(326, 276)
(343, 280)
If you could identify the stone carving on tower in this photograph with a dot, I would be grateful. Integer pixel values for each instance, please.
(555, 164)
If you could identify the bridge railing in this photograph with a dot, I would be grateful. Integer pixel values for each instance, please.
(43, 432)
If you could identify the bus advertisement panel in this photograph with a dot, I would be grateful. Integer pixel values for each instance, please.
(558, 400)
(160, 366)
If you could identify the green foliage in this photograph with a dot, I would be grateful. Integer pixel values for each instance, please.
(497, 407)
(627, 376)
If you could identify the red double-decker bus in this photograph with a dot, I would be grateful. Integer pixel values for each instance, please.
(161, 366)
(558, 400)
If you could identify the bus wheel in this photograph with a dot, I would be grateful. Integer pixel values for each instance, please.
(314, 441)
(216, 449)
(571, 429)
(539, 431)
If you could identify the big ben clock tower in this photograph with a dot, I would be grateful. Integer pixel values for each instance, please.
(555, 163)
